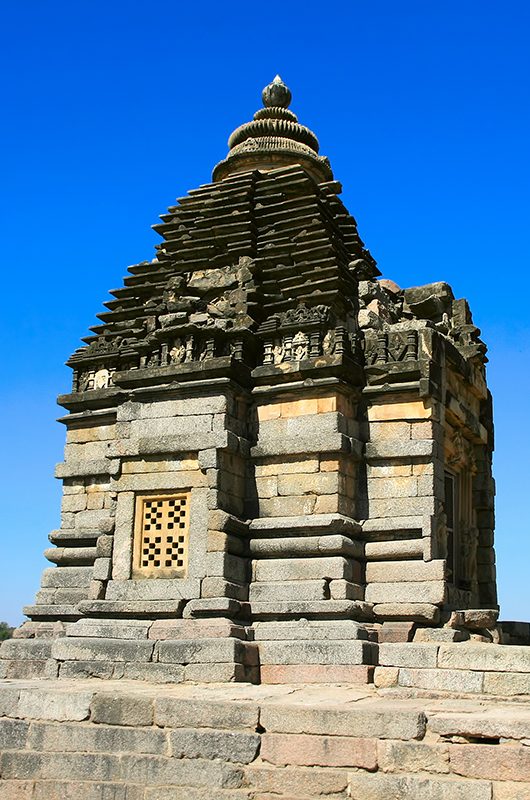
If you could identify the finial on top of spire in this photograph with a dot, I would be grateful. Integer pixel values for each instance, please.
(276, 94)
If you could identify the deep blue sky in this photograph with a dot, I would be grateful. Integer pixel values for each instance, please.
(113, 109)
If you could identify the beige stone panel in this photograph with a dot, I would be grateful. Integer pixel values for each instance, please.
(389, 430)
(98, 433)
(329, 465)
(143, 465)
(398, 471)
(423, 469)
(413, 409)
(299, 408)
(270, 411)
(392, 487)
(385, 677)
(329, 504)
(286, 467)
(326, 404)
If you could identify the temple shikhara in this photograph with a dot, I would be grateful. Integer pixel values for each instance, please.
(278, 470)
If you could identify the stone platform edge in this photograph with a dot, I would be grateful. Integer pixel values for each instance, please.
(130, 740)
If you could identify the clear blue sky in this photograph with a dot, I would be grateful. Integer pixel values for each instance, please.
(113, 109)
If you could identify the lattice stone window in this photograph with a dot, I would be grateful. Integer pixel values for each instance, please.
(161, 534)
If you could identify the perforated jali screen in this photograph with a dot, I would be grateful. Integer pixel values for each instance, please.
(161, 535)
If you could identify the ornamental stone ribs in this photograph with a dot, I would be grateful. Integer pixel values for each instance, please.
(278, 464)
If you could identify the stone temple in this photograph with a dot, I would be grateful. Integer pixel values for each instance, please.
(277, 471)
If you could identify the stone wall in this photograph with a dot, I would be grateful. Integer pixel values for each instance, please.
(127, 741)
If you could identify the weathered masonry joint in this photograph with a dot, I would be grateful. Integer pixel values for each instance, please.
(278, 464)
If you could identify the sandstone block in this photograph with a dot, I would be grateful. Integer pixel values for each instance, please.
(312, 483)
(489, 723)
(289, 590)
(13, 734)
(227, 566)
(457, 680)
(491, 762)
(228, 672)
(220, 587)
(383, 722)
(385, 677)
(149, 771)
(287, 506)
(395, 448)
(234, 746)
(506, 683)
(26, 649)
(306, 546)
(417, 612)
(54, 704)
(102, 569)
(412, 787)
(413, 571)
(167, 589)
(66, 577)
(320, 609)
(406, 410)
(192, 712)
(402, 506)
(396, 549)
(315, 652)
(88, 649)
(306, 781)
(382, 488)
(345, 590)
(413, 757)
(418, 656)
(201, 651)
(65, 738)
(109, 628)
(155, 673)
(414, 592)
(9, 696)
(308, 629)
(490, 658)
(315, 673)
(324, 751)
(121, 709)
(195, 629)
(305, 569)
(85, 766)
(511, 791)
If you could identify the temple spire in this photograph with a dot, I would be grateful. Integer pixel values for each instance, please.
(274, 138)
